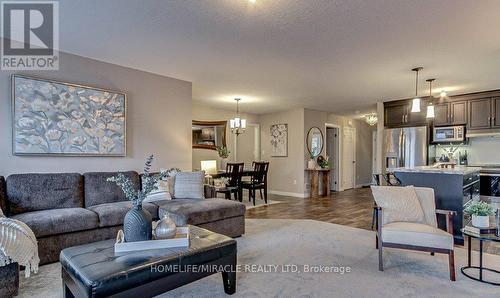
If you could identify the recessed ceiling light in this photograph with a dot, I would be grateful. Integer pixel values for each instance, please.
(252, 1)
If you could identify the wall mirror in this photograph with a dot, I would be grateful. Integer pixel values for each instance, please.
(314, 141)
(209, 134)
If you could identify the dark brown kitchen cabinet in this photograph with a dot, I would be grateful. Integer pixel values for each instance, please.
(442, 114)
(395, 115)
(496, 112)
(480, 113)
(458, 112)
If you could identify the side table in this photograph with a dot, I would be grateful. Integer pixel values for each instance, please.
(466, 270)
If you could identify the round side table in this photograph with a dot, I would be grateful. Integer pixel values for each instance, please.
(480, 268)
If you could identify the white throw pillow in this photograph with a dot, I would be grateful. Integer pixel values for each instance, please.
(163, 191)
(398, 204)
(189, 185)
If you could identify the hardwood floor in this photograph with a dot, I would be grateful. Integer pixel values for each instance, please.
(350, 208)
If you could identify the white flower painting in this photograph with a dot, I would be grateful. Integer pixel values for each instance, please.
(60, 118)
(279, 140)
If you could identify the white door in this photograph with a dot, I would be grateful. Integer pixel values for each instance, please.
(332, 152)
(348, 157)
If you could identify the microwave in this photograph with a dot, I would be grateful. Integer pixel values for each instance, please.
(447, 134)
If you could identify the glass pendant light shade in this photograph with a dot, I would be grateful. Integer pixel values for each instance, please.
(415, 106)
(237, 124)
(430, 111)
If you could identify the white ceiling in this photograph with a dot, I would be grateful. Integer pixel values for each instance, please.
(337, 56)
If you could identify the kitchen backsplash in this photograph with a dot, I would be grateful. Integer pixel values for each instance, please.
(482, 150)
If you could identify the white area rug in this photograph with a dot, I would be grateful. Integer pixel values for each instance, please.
(307, 242)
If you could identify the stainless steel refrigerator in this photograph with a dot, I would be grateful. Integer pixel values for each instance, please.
(405, 147)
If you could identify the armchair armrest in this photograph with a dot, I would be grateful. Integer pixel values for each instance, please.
(449, 218)
(209, 191)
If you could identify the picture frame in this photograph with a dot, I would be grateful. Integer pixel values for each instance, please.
(54, 118)
(279, 140)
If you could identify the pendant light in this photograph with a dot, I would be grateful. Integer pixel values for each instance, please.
(430, 107)
(237, 124)
(415, 107)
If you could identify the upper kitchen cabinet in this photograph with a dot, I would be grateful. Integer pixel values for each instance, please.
(442, 114)
(458, 112)
(395, 115)
(398, 114)
(450, 113)
(480, 113)
(496, 112)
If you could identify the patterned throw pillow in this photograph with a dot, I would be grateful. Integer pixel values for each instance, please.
(398, 204)
(164, 190)
(189, 185)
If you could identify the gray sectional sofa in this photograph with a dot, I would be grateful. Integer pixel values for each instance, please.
(69, 209)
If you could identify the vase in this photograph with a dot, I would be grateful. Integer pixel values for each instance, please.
(311, 164)
(480, 221)
(166, 228)
(223, 164)
(137, 225)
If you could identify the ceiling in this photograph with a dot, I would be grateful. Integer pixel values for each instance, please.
(330, 55)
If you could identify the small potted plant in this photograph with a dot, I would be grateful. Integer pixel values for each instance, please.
(137, 224)
(480, 212)
(223, 154)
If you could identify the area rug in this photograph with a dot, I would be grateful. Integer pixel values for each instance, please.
(306, 258)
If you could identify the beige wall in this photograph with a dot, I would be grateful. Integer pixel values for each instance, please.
(313, 118)
(363, 146)
(286, 174)
(158, 119)
(207, 113)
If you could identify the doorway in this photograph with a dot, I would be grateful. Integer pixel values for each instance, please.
(333, 151)
(349, 157)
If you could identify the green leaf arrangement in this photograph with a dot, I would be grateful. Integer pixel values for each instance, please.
(479, 208)
(149, 182)
(223, 151)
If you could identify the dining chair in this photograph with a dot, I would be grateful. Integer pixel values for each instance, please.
(233, 171)
(258, 181)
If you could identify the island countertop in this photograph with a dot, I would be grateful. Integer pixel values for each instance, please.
(458, 170)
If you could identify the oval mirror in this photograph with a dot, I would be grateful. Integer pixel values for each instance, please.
(314, 141)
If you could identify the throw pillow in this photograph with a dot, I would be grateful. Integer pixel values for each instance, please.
(398, 204)
(164, 190)
(189, 185)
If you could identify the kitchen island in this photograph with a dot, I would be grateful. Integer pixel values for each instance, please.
(453, 188)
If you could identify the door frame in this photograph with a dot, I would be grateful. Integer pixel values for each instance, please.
(354, 135)
(338, 168)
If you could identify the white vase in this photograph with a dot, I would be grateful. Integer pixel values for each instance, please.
(311, 164)
(223, 164)
(480, 221)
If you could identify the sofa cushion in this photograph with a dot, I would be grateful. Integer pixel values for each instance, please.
(100, 191)
(58, 221)
(34, 192)
(112, 214)
(416, 234)
(199, 211)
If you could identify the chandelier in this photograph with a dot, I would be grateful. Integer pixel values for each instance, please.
(237, 124)
(371, 118)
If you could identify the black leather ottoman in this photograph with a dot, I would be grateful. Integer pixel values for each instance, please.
(94, 270)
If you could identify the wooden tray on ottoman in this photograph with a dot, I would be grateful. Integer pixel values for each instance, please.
(181, 239)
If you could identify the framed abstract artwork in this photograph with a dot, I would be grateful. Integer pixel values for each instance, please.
(57, 118)
(279, 140)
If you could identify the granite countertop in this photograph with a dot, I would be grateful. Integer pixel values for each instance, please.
(458, 170)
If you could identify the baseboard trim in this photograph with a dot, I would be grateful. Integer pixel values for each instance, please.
(286, 193)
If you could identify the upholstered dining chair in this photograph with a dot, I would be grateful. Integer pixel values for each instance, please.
(406, 219)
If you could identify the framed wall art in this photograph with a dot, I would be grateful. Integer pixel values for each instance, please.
(279, 140)
(57, 118)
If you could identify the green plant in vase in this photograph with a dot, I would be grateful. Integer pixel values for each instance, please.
(481, 212)
(137, 224)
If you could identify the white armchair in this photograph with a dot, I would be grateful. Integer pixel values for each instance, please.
(420, 235)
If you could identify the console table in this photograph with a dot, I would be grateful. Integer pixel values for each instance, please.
(314, 181)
